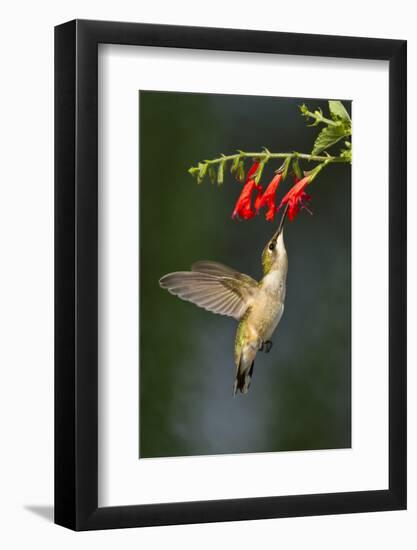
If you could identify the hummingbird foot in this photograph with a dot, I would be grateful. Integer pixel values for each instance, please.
(265, 346)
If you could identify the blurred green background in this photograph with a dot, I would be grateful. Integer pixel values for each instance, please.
(300, 397)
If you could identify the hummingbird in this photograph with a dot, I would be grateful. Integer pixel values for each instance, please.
(257, 306)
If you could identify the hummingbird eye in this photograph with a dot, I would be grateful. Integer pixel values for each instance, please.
(271, 246)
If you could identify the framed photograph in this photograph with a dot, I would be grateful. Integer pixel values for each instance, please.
(230, 247)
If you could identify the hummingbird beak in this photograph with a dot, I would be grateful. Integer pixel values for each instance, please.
(281, 224)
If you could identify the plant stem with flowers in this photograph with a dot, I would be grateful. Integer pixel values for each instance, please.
(335, 129)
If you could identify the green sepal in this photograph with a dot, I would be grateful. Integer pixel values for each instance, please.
(297, 170)
(235, 164)
(286, 167)
(202, 171)
(212, 174)
(194, 170)
(259, 171)
(346, 154)
(316, 171)
(220, 172)
(241, 171)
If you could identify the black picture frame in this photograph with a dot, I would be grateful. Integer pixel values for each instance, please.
(76, 272)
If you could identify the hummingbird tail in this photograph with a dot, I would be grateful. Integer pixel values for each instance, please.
(243, 378)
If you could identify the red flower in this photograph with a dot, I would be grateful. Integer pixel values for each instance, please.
(268, 198)
(252, 171)
(243, 208)
(297, 198)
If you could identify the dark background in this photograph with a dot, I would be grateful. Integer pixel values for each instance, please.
(300, 396)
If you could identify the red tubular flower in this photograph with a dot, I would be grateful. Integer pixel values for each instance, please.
(243, 208)
(252, 171)
(268, 198)
(296, 198)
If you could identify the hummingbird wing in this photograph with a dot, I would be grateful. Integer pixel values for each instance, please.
(221, 270)
(226, 294)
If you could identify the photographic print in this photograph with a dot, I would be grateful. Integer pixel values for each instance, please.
(245, 274)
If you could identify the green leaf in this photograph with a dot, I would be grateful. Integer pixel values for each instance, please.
(328, 137)
(338, 112)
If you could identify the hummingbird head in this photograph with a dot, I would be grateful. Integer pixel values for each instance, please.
(274, 255)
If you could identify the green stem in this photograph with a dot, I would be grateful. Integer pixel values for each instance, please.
(317, 115)
(263, 157)
(266, 156)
